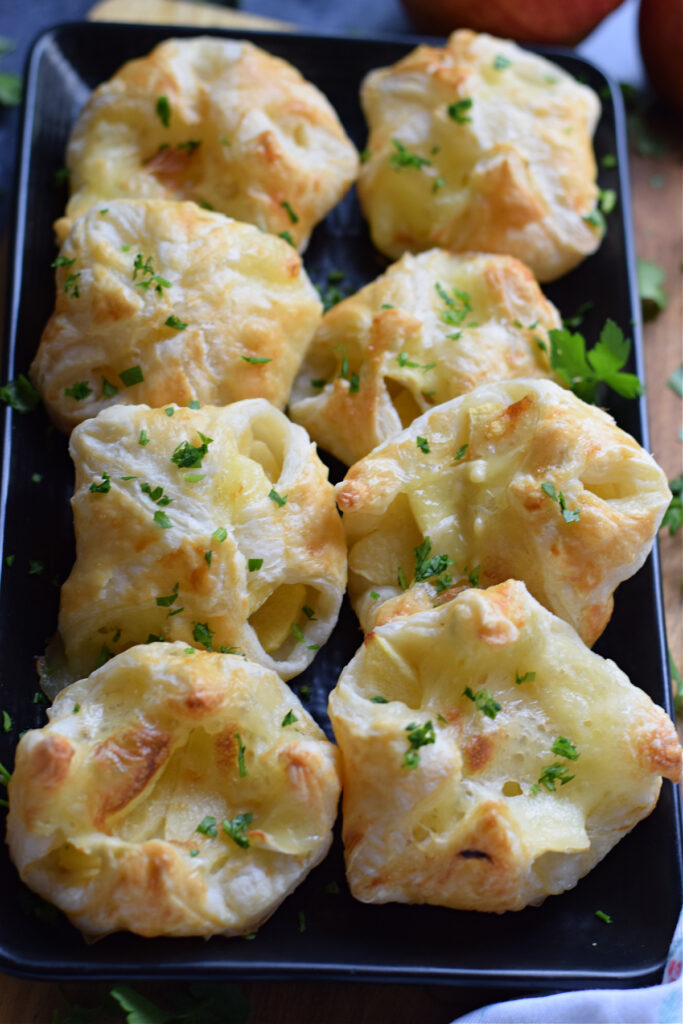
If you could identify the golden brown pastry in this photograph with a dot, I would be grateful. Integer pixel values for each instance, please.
(489, 758)
(429, 329)
(518, 479)
(160, 302)
(215, 527)
(481, 145)
(218, 121)
(174, 792)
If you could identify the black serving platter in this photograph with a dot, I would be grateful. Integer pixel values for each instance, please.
(560, 945)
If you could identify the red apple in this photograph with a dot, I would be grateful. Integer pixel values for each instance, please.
(561, 22)
(661, 43)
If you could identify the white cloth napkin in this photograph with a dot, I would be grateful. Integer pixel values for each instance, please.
(659, 1004)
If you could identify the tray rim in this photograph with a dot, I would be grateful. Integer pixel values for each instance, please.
(298, 970)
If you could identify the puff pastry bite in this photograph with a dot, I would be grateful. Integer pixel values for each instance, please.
(516, 479)
(489, 758)
(431, 328)
(481, 145)
(160, 302)
(218, 121)
(220, 531)
(174, 792)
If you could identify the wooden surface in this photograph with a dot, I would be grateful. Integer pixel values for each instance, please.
(657, 190)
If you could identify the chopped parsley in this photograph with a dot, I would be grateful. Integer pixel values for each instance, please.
(76, 708)
(175, 322)
(255, 564)
(294, 218)
(203, 634)
(458, 307)
(473, 575)
(570, 515)
(603, 916)
(607, 198)
(301, 921)
(236, 828)
(608, 160)
(426, 566)
(220, 534)
(20, 394)
(423, 444)
(550, 775)
(255, 360)
(169, 599)
(528, 677)
(438, 183)
(500, 62)
(241, 751)
(458, 111)
(207, 827)
(35, 567)
(402, 157)
(673, 517)
(162, 520)
(194, 404)
(460, 452)
(418, 736)
(109, 389)
(379, 700)
(143, 264)
(190, 145)
(102, 488)
(331, 293)
(80, 390)
(401, 577)
(289, 719)
(133, 375)
(484, 701)
(62, 261)
(163, 110)
(71, 285)
(287, 237)
(405, 360)
(279, 499)
(364, 155)
(143, 439)
(193, 478)
(6, 722)
(297, 633)
(374, 595)
(564, 747)
(650, 288)
(187, 456)
(156, 494)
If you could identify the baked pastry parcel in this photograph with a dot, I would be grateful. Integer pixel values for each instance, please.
(481, 145)
(432, 327)
(518, 479)
(174, 792)
(160, 302)
(214, 527)
(490, 759)
(218, 121)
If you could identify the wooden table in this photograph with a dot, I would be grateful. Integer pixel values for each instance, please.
(657, 187)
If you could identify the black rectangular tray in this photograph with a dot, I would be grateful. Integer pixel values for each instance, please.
(558, 945)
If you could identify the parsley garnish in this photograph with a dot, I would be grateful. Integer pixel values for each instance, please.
(6, 722)
(290, 212)
(187, 456)
(401, 577)
(287, 237)
(405, 360)
(255, 564)
(374, 595)
(62, 175)
(458, 307)
(289, 719)
(35, 567)
(423, 444)
(75, 709)
(460, 452)
(5, 776)
(438, 183)
(175, 322)
(500, 62)
(236, 828)
(458, 111)
(564, 747)
(133, 375)
(207, 826)
(102, 488)
(163, 110)
(143, 439)
(169, 599)
(80, 390)
(156, 495)
(20, 394)
(673, 517)
(255, 360)
(364, 155)
(203, 634)
(550, 775)
(190, 145)
(220, 534)
(570, 515)
(71, 285)
(297, 633)
(577, 318)
(608, 160)
(379, 700)
(650, 288)
(162, 520)
(301, 921)
(404, 158)
(473, 575)
(109, 389)
(241, 751)
(425, 566)
(279, 499)
(331, 293)
(603, 916)
(62, 261)
(528, 677)
(418, 736)
(583, 371)
(142, 264)
(484, 701)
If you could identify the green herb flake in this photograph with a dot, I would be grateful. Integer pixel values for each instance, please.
(188, 456)
(301, 921)
(133, 375)
(554, 773)
(289, 719)
(576, 319)
(194, 404)
(163, 110)
(6, 722)
(255, 564)
(5, 776)
(175, 322)
(236, 828)
(193, 478)
(255, 360)
(378, 700)
(62, 261)
(401, 577)
(287, 237)
(500, 62)
(143, 439)
(37, 478)
(426, 566)
(583, 371)
(169, 599)
(603, 916)
(39, 698)
(207, 557)
(402, 157)
(109, 389)
(294, 218)
(297, 633)
(169, 410)
(438, 183)
(76, 708)
(220, 534)
(675, 381)
(653, 297)
(194, 853)
(35, 567)
(374, 595)
(162, 520)
(9, 560)
(241, 752)
(80, 390)
(528, 677)
(203, 634)
(423, 445)
(484, 701)
(207, 826)
(20, 394)
(607, 198)
(279, 499)
(103, 487)
(440, 718)
(608, 160)
(458, 111)
(564, 747)
(462, 450)
(418, 736)
(673, 517)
